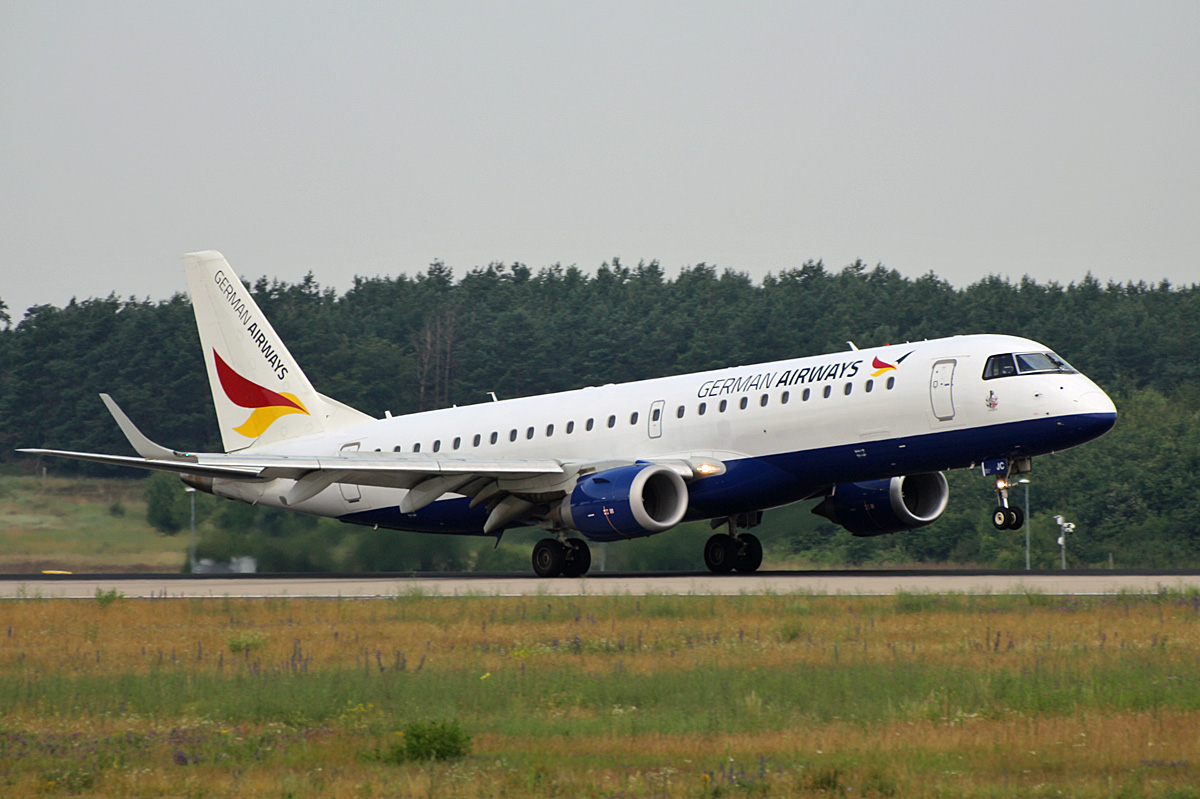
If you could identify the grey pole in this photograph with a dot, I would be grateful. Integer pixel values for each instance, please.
(192, 542)
(1027, 522)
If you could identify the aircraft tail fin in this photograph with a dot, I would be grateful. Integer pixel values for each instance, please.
(260, 393)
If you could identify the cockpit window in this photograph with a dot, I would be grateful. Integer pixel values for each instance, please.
(1041, 362)
(1024, 363)
(999, 366)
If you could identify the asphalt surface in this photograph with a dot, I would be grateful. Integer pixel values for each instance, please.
(849, 583)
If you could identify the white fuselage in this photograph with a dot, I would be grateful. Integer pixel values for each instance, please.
(785, 430)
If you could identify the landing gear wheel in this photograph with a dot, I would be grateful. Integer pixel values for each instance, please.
(1008, 518)
(579, 558)
(1000, 518)
(720, 553)
(749, 556)
(549, 556)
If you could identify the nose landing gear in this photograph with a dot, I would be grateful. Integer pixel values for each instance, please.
(1005, 516)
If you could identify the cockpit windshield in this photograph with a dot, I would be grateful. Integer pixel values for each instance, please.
(1041, 362)
(1024, 363)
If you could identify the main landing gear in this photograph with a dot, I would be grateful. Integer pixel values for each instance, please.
(1005, 516)
(562, 556)
(726, 552)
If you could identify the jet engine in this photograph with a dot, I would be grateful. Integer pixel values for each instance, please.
(879, 507)
(626, 502)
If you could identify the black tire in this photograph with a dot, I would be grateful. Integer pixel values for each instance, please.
(1017, 520)
(1000, 518)
(548, 558)
(579, 558)
(720, 553)
(749, 556)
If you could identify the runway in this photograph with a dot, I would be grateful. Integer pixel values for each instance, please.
(848, 583)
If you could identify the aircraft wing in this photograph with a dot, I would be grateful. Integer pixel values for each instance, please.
(509, 486)
(426, 478)
(399, 471)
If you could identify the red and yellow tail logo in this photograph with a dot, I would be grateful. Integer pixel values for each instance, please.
(268, 406)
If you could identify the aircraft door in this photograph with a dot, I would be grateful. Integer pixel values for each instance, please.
(656, 414)
(350, 491)
(941, 390)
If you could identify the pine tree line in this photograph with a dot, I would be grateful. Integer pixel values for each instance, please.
(403, 344)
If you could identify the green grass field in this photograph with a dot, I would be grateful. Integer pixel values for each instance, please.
(912, 695)
(81, 525)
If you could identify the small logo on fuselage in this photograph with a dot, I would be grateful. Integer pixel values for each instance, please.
(881, 366)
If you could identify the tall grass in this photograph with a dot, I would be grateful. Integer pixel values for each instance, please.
(912, 695)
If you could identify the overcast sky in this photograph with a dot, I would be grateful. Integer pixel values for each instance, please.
(967, 138)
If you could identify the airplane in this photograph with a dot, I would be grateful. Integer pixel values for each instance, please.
(868, 432)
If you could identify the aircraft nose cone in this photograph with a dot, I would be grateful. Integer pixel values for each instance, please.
(1096, 402)
(1097, 411)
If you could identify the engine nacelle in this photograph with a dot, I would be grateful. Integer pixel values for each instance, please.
(625, 502)
(879, 507)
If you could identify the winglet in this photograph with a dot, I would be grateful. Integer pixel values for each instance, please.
(144, 446)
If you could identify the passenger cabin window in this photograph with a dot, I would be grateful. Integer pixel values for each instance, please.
(763, 401)
(529, 433)
(633, 417)
(612, 421)
(549, 430)
(494, 437)
(478, 439)
(870, 385)
(805, 395)
(416, 447)
(437, 445)
(849, 388)
(457, 442)
(722, 406)
(590, 424)
(570, 428)
(703, 407)
(745, 401)
(679, 412)
(655, 415)
(828, 391)
(891, 383)
(512, 434)
(784, 397)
